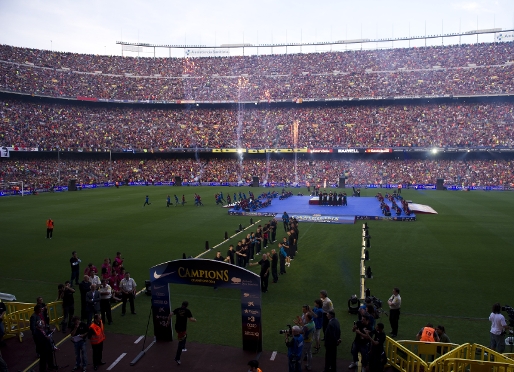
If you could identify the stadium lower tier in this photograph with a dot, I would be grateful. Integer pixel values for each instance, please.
(41, 173)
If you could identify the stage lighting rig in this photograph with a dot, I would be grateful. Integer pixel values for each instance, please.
(353, 305)
(369, 274)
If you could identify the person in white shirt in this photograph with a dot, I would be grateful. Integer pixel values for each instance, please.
(94, 279)
(498, 328)
(105, 301)
(128, 292)
(394, 302)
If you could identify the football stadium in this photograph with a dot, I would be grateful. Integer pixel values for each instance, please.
(346, 176)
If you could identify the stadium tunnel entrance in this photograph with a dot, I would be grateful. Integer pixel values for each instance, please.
(209, 273)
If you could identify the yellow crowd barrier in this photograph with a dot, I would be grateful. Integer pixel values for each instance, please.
(401, 358)
(17, 306)
(428, 351)
(460, 352)
(469, 365)
(417, 356)
(18, 321)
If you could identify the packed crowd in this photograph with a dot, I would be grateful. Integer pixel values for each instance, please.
(77, 128)
(429, 82)
(43, 174)
(351, 61)
(447, 70)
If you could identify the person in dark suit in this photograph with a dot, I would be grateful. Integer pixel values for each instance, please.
(44, 347)
(92, 303)
(84, 287)
(332, 341)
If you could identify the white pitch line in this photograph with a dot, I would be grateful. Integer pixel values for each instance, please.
(139, 339)
(116, 361)
(273, 355)
(224, 241)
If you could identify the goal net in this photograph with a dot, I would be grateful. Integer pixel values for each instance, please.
(11, 188)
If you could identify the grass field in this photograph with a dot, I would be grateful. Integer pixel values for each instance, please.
(450, 267)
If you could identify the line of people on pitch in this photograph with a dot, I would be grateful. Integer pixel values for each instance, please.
(250, 247)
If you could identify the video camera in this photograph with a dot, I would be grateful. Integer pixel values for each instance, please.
(510, 312)
(288, 331)
(376, 302)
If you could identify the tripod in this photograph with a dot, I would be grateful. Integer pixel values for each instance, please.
(143, 351)
(54, 349)
(381, 311)
(147, 324)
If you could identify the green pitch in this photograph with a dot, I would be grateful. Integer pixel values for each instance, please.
(450, 267)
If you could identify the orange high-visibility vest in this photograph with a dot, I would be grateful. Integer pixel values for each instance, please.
(99, 335)
(427, 335)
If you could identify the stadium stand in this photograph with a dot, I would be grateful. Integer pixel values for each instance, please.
(67, 125)
(480, 69)
(50, 126)
(42, 174)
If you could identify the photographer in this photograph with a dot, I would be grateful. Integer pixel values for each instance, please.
(377, 358)
(44, 346)
(65, 294)
(294, 343)
(361, 342)
(44, 310)
(78, 337)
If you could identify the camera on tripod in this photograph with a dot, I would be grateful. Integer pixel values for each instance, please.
(376, 302)
(510, 312)
(287, 331)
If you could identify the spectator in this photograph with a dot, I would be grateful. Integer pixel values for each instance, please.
(65, 294)
(498, 328)
(128, 292)
(441, 332)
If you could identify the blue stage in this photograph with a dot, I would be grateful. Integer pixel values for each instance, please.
(358, 208)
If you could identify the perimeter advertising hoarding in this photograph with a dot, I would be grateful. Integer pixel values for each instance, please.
(209, 273)
(321, 218)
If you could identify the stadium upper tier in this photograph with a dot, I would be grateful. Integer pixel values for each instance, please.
(48, 126)
(481, 69)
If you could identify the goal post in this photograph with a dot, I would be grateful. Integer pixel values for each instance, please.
(12, 188)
